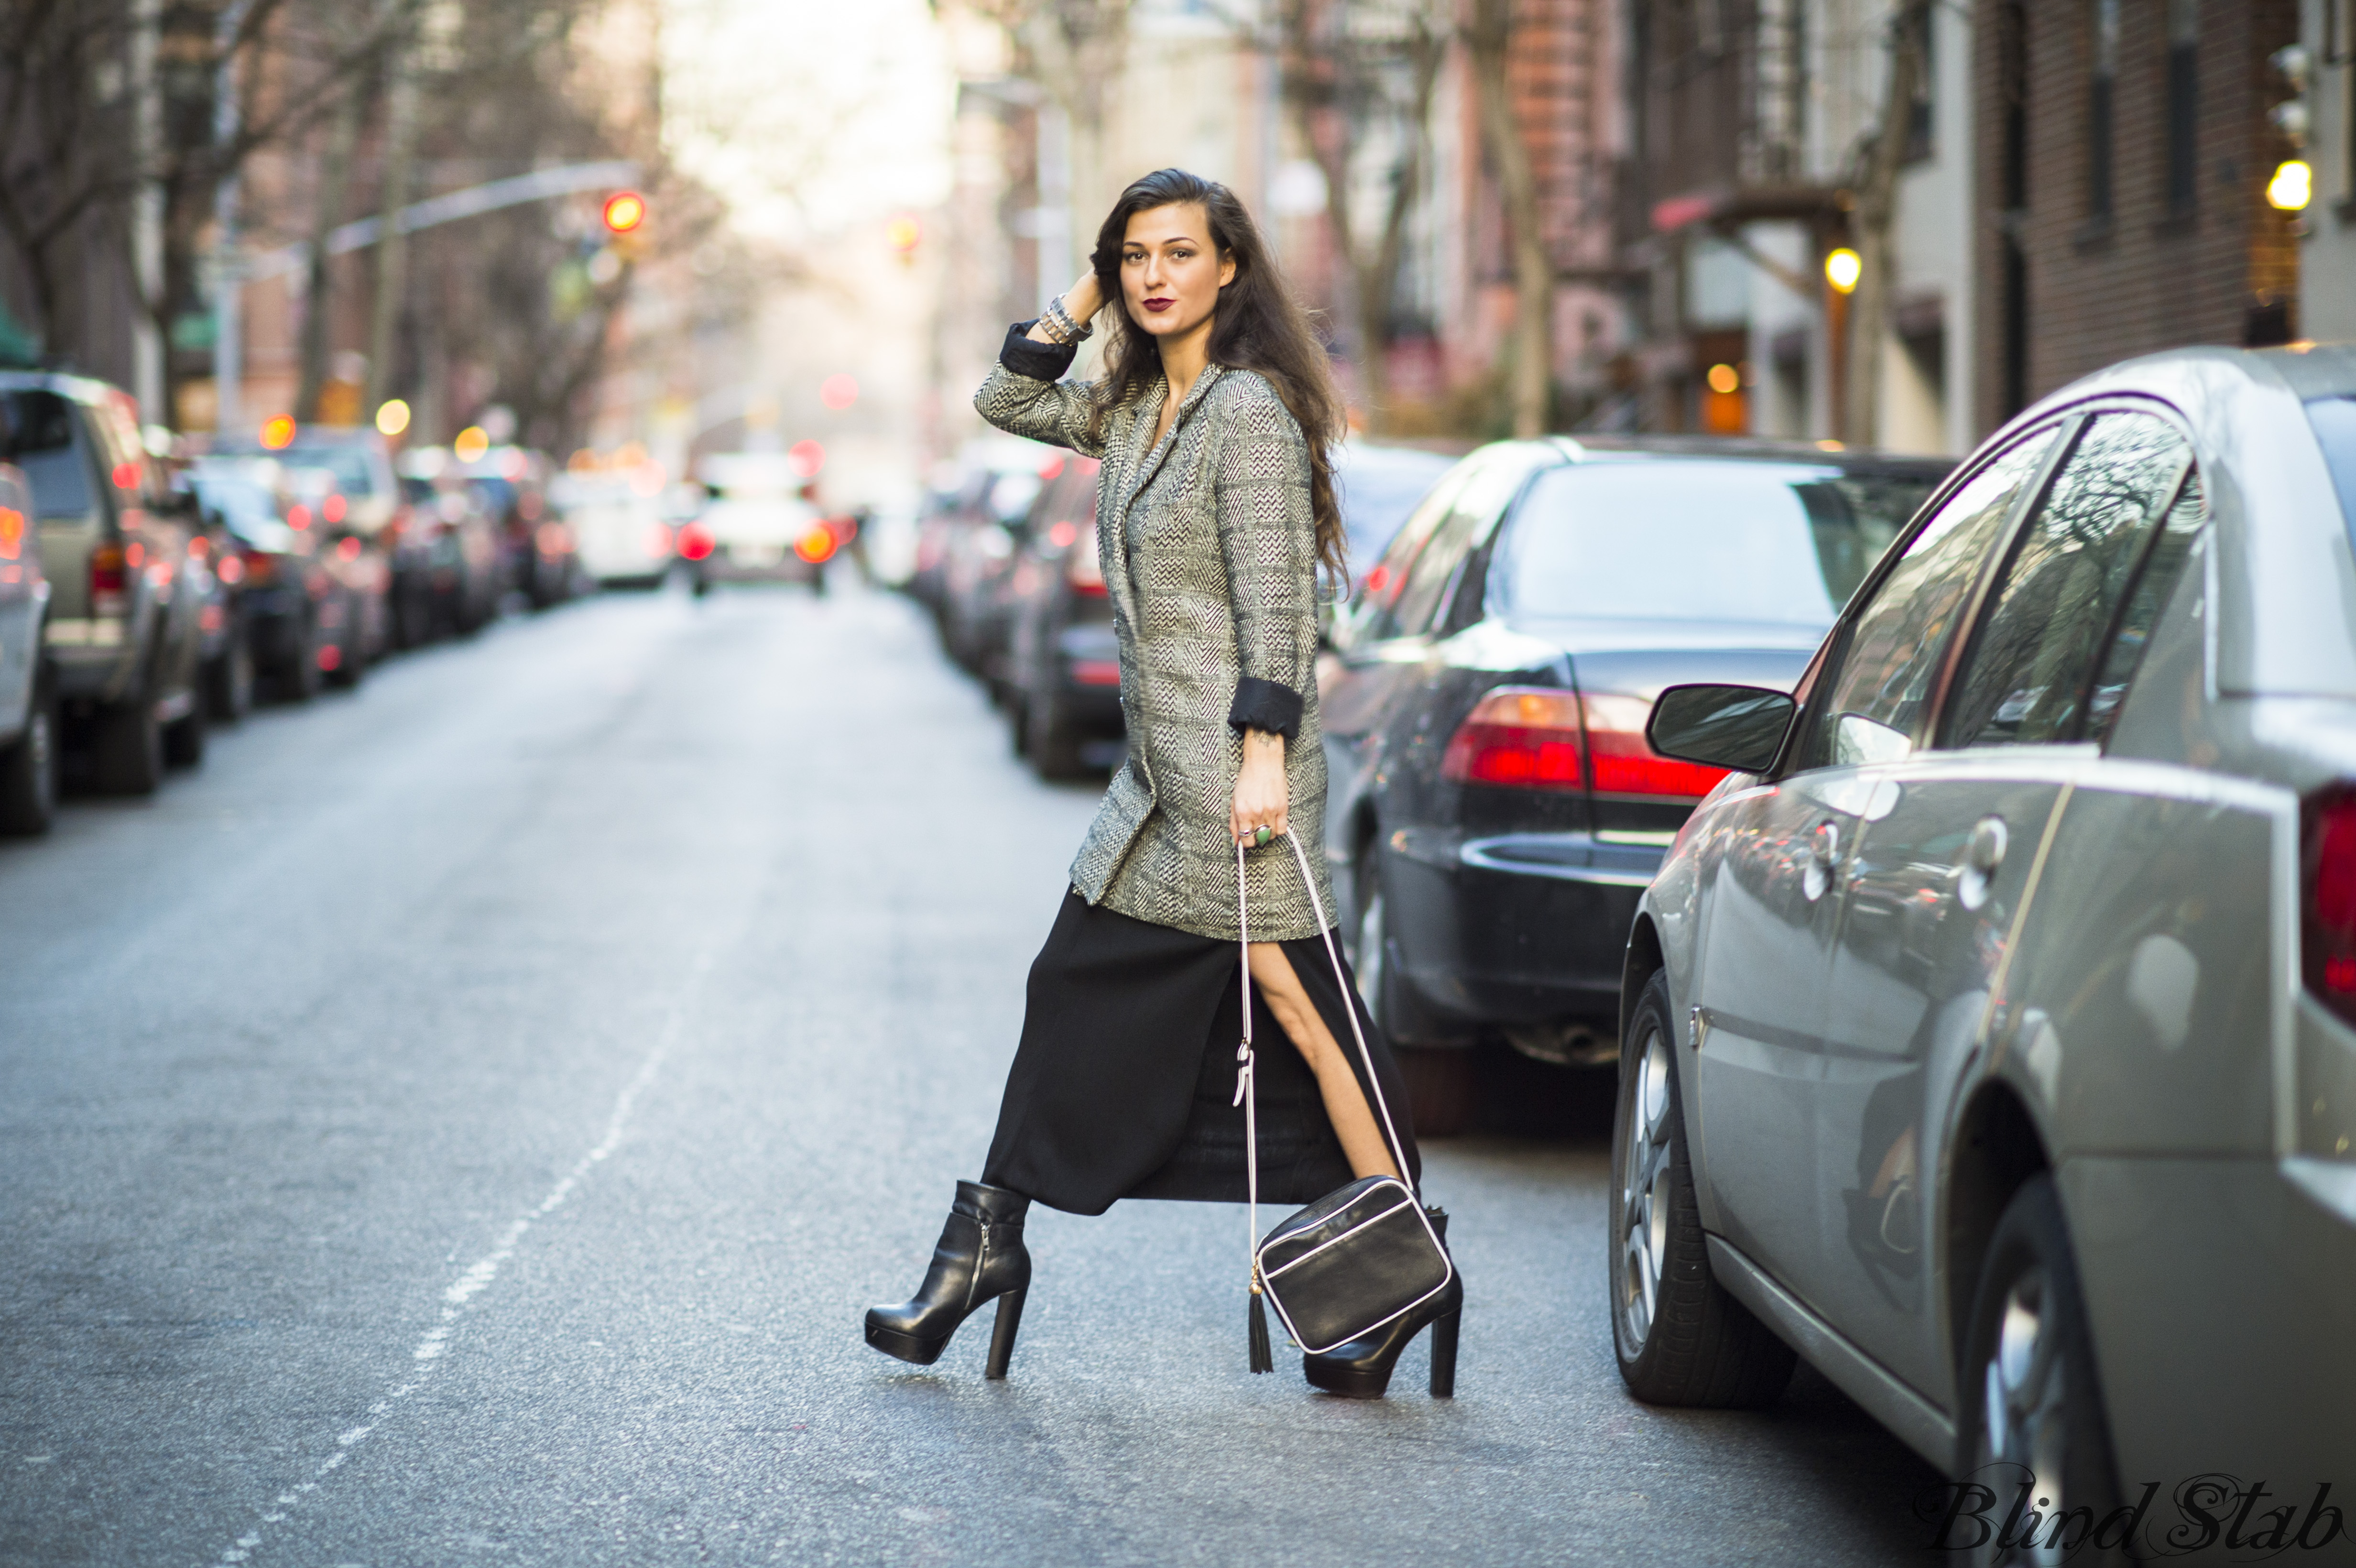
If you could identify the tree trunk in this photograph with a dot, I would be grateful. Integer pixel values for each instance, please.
(393, 249)
(1490, 38)
(335, 176)
(1870, 308)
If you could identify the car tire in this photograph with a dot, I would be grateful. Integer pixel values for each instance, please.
(184, 737)
(229, 681)
(28, 769)
(351, 661)
(298, 678)
(1054, 744)
(127, 747)
(1680, 1338)
(1443, 1087)
(2030, 1398)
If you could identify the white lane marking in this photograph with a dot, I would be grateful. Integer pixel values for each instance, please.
(478, 1276)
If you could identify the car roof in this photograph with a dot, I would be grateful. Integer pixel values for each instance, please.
(1616, 447)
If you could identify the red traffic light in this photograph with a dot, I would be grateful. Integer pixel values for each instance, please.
(624, 210)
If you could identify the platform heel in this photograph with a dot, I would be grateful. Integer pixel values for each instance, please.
(1002, 1332)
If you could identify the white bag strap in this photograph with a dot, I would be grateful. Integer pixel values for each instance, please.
(1245, 1091)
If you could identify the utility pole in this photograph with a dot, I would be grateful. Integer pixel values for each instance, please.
(392, 252)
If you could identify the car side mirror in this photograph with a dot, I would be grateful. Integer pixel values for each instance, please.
(1736, 726)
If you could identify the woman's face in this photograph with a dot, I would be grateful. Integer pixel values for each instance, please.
(1170, 273)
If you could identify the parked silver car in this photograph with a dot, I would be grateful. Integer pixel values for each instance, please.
(1990, 1036)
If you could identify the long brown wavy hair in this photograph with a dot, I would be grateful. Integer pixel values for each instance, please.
(1257, 326)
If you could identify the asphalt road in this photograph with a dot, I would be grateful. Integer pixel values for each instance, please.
(465, 1120)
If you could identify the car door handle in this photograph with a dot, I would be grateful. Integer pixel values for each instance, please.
(1982, 854)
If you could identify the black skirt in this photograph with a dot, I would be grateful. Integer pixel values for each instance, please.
(1125, 1081)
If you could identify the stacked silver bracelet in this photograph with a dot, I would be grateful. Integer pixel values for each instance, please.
(1060, 325)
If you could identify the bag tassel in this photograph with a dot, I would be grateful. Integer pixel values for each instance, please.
(1263, 1359)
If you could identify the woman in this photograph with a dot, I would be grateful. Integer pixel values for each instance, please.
(1215, 509)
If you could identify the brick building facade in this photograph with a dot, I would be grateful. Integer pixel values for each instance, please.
(2123, 152)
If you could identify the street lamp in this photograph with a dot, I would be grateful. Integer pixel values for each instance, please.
(2292, 188)
(624, 210)
(1843, 268)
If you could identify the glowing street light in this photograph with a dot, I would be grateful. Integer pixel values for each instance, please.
(1723, 379)
(278, 433)
(624, 210)
(2292, 188)
(391, 417)
(1843, 268)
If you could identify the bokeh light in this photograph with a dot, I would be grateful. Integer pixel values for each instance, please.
(278, 433)
(1843, 268)
(806, 458)
(624, 210)
(391, 417)
(2292, 188)
(838, 391)
(1724, 378)
(472, 443)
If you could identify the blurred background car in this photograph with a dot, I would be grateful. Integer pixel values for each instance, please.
(1992, 1033)
(346, 478)
(992, 479)
(620, 535)
(1494, 811)
(1377, 485)
(124, 632)
(536, 546)
(299, 619)
(1062, 667)
(463, 549)
(757, 525)
(29, 685)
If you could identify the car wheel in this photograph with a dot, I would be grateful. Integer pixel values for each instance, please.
(351, 661)
(1443, 1087)
(127, 747)
(28, 769)
(2032, 1408)
(1055, 748)
(1680, 1338)
(184, 737)
(298, 678)
(229, 681)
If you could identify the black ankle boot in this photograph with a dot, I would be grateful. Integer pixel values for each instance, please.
(980, 1258)
(1362, 1369)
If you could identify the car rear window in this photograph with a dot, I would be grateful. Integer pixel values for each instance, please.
(1378, 489)
(37, 434)
(1714, 540)
(354, 474)
(2334, 422)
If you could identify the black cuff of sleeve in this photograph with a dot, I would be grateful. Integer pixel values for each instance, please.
(1040, 361)
(1264, 705)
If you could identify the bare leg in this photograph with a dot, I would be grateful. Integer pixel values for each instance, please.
(1345, 1105)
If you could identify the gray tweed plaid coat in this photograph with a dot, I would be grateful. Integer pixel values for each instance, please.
(1209, 552)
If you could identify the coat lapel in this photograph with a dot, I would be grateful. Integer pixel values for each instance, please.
(1143, 465)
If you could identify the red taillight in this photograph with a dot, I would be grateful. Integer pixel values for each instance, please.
(1061, 535)
(108, 573)
(231, 569)
(1096, 672)
(2328, 916)
(1623, 764)
(298, 516)
(1531, 738)
(1080, 568)
(1519, 737)
(694, 542)
(332, 508)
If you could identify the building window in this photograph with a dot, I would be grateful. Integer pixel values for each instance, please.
(1922, 119)
(2183, 106)
(2100, 83)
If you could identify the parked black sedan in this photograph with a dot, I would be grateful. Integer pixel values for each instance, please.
(1494, 810)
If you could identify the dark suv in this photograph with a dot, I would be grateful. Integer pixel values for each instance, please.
(125, 624)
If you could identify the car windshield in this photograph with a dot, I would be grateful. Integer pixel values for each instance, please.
(2334, 421)
(1377, 487)
(37, 436)
(1766, 542)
